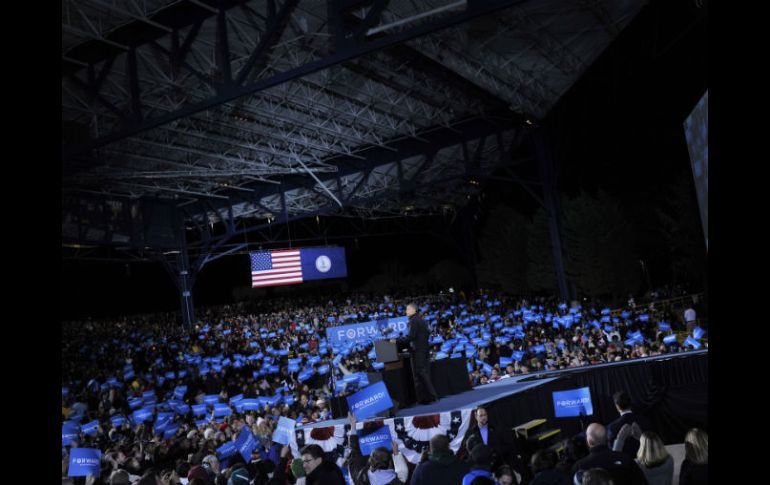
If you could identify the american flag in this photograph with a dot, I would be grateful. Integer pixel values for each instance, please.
(275, 268)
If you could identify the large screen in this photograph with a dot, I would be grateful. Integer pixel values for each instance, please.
(696, 130)
(575, 402)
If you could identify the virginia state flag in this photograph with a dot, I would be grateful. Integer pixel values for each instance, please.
(323, 263)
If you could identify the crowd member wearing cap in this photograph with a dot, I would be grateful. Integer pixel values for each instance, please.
(318, 470)
(544, 468)
(441, 466)
(481, 464)
(381, 468)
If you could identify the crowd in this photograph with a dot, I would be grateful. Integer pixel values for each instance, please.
(161, 401)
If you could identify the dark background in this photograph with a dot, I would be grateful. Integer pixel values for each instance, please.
(620, 143)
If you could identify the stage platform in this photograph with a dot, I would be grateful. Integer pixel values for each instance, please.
(501, 389)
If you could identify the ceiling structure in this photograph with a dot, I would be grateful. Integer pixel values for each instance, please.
(238, 114)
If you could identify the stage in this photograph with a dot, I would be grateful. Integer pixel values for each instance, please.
(510, 387)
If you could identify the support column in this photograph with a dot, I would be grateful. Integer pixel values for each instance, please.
(185, 286)
(548, 176)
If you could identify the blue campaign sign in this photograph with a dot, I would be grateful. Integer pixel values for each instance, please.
(284, 431)
(211, 399)
(198, 409)
(227, 450)
(245, 443)
(669, 339)
(374, 439)
(141, 415)
(505, 362)
(222, 409)
(180, 391)
(249, 404)
(323, 263)
(365, 331)
(118, 420)
(370, 401)
(698, 333)
(323, 369)
(84, 462)
(170, 431)
(575, 402)
(90, 428)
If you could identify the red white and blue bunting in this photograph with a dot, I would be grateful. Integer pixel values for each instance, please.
(412, 434)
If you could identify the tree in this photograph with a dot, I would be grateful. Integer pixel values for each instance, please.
(600, 254)
(541, 270)
(503, 248)
(682, 232)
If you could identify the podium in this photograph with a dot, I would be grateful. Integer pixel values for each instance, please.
(397, 374)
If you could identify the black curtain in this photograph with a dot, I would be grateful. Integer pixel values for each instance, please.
(672, 393)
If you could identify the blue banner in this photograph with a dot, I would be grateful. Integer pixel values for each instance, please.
(249, 404)
(245, 444)
(141, 415)
(697, 333)
(90, 428)
(669, 339)
(365, 331)
(198, 409)
(374, 439)
(323, 263)
(694, 343)
(284, 431)
(222, 409)
(180, 391)
(575, 402)
(118, 420)
(226, 450)
(505, 362)
(84, 462)
(370, 401)
(170, 431)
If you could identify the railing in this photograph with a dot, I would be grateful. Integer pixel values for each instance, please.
(688, 299)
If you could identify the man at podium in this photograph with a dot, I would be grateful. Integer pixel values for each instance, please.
(419, 333)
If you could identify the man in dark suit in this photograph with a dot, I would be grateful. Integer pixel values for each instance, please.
(505, 450)
(623, 405)
(419, 334)
(623, 468)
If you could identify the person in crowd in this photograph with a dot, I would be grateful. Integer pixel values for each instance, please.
(654, 460)
(543, 465)
(621, 467)
(319, 471)
(505, 476)
(597, 476)
(441, 466)
(383, 467)
(481, 464)
(627, 416)
(694, 468)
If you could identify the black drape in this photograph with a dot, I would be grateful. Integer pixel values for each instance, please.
(672, 393)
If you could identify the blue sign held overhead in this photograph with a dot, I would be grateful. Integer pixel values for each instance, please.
(245, 443)
(284, 431)
(370, 401)
(84, 462)
(374, 439)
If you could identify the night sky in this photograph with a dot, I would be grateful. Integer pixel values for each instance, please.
(623, 133)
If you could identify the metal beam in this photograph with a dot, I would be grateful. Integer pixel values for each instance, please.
(473, 10)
